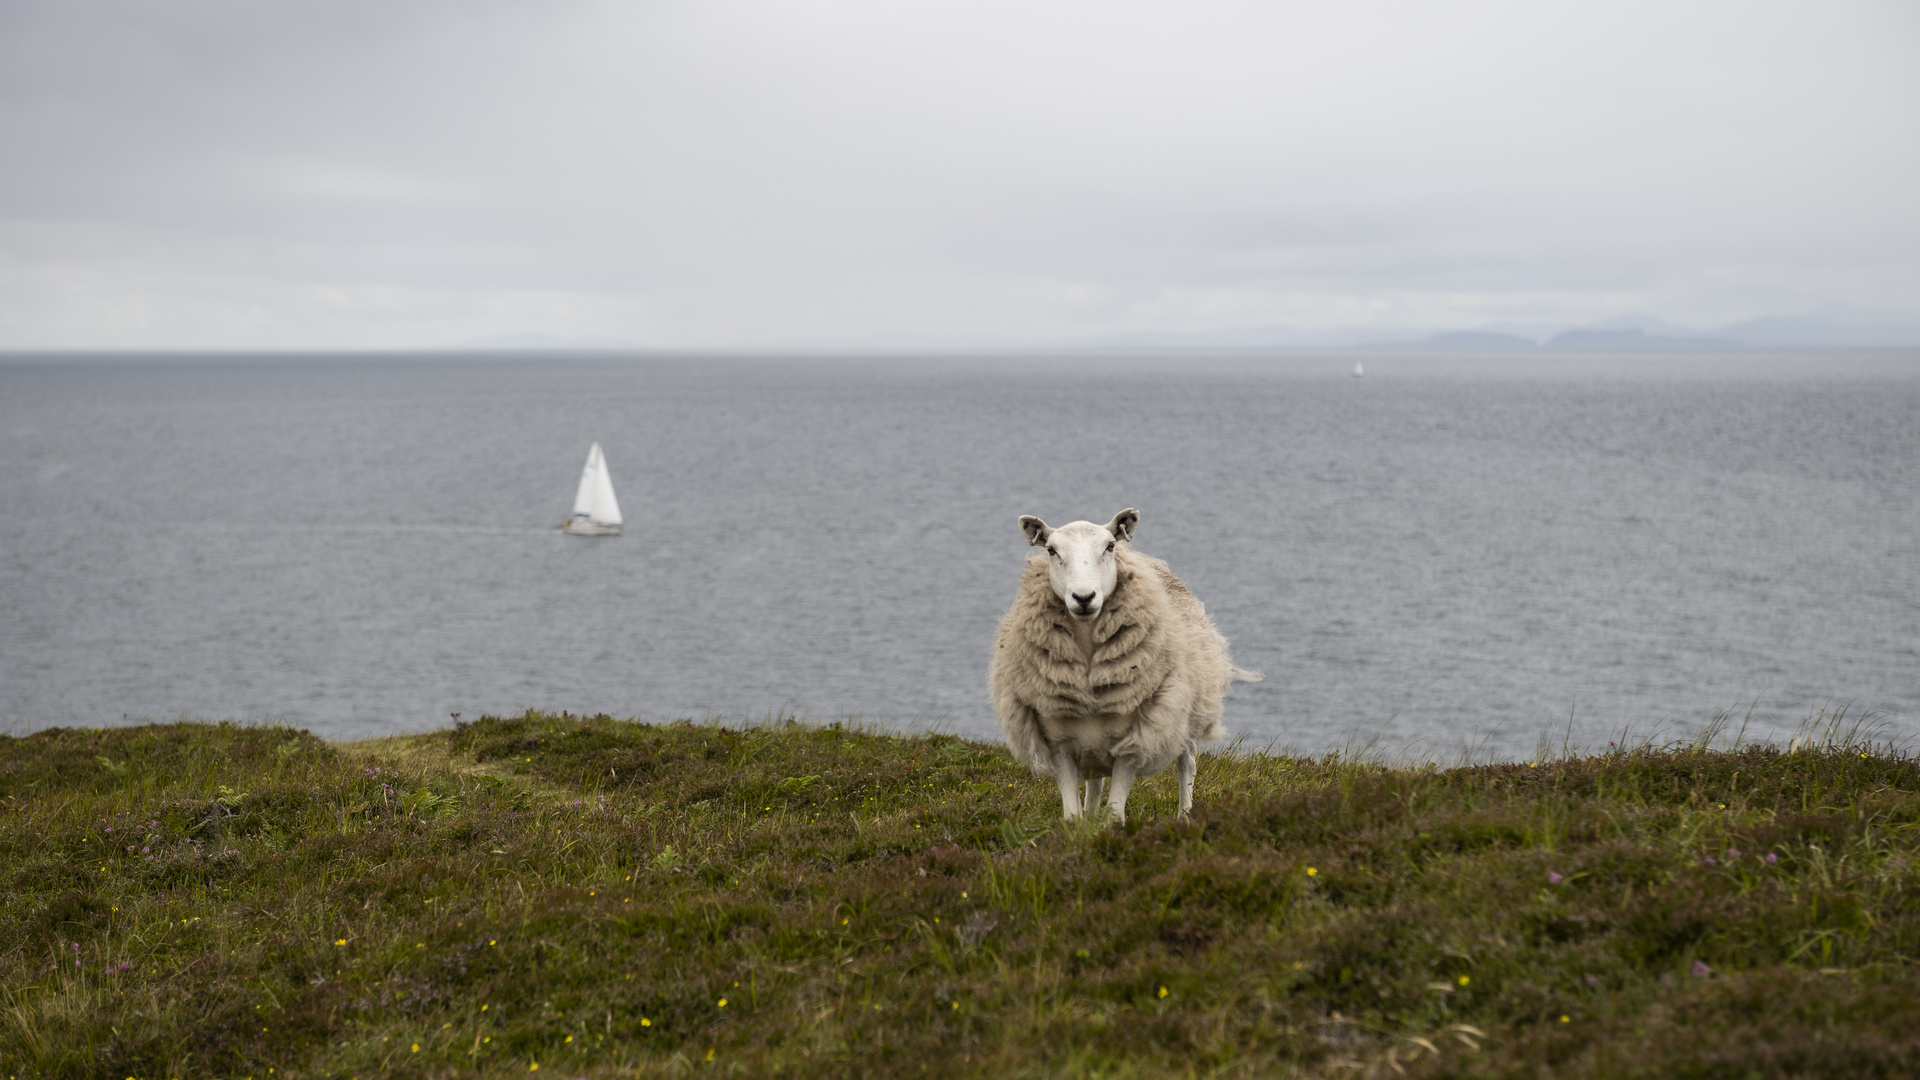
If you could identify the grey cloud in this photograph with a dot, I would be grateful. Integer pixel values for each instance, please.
(764, 175)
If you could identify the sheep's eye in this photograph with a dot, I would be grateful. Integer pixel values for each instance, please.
(1109, 547)
(1052, 552)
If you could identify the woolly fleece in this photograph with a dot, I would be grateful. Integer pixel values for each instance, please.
(1157, 661)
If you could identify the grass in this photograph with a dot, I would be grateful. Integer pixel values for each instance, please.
(586, 897)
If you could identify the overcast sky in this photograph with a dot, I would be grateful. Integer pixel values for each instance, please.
(396, 173)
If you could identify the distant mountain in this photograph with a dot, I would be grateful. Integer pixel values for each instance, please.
(1534, 332)
(1463, 341)
(1636, 339)
(1831, 327)
(1268, 336)
(1812, 332)
(1825, 328)
(1649, 325)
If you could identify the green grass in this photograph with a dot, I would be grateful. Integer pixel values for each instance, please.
(584, 894)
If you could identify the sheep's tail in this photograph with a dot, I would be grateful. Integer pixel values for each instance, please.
(1241, 675)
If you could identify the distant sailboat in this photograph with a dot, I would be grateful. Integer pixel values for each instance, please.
(1358, 371)
(595, 511)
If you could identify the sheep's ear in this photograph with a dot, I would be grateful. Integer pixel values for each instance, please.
(1036, 530)
(1122, 524)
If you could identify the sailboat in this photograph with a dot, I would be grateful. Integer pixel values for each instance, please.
(595, 511)
(1358, 371)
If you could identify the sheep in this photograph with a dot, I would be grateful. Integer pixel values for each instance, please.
(1106, 666)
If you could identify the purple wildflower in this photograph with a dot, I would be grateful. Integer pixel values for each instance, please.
(1733, 853)
(1701, 969)
(1553, 878)
(1710, 861)
(1772, 858)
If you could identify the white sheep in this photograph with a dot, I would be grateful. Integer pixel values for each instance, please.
(1106, 665)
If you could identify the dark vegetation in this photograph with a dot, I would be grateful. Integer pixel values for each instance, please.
(598, 898)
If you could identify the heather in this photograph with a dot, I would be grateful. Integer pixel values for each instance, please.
(593, 897)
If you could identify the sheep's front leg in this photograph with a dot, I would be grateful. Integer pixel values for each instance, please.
(1123, 772)
(1092, 792)
(1066, 772)
(1187, 766)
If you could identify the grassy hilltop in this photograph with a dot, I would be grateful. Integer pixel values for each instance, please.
(586, 897)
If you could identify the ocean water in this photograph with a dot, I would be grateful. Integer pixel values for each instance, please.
(1456, 554)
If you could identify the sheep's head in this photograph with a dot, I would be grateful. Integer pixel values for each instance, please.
(1080, 558)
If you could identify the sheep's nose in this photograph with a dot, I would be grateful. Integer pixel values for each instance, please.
(1085, 600)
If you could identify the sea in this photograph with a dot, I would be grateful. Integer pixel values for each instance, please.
(1455, 557)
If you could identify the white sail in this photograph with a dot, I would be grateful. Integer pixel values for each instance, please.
(583, 497)
(1358, 371)
(606, 508)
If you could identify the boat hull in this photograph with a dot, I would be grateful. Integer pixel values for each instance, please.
(582, 527)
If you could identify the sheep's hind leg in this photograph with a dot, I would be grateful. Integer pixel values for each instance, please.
(1187, 767)
(1066, 772)
(1122, 786)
